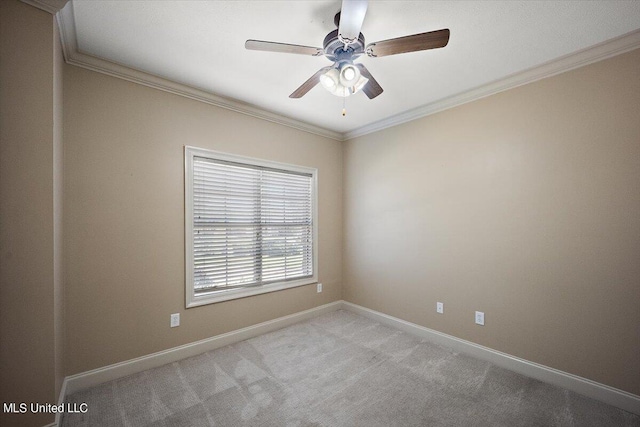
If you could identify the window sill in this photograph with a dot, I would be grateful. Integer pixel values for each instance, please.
(220, 296)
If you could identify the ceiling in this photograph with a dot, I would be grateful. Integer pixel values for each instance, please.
(200, 44)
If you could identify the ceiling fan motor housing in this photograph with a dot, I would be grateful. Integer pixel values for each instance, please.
(334, 48)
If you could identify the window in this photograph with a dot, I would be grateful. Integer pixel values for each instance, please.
(250, 226)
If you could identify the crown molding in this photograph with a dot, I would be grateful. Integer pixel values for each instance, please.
(66, 22)
(607, 49)
(51, 6)
(73, 56)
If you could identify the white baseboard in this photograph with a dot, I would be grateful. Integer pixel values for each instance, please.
(610, 395)
(98, 376)
(604, 393)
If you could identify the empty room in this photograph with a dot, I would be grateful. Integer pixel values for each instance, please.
(319, 213)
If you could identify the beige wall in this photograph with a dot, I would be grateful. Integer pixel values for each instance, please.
(124, 217)
(30, 200)
(524, 205)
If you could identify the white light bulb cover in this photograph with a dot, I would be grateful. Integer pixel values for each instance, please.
(349, 75)
(330, 79)
(327, 82)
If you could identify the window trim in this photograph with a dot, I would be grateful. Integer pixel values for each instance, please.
(225, 295)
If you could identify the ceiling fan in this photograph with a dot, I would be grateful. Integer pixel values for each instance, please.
(345, 44)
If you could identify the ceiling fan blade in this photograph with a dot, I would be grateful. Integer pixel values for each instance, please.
(372, 88)
(351, 19)
(283, 48)
(416, 42)
(309, 84)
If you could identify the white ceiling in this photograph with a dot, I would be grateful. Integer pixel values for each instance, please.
(201, 44)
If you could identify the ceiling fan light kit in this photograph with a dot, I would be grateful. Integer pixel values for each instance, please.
(343, 81)
(345, 44)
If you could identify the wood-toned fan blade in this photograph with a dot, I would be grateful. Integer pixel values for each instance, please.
(282, 47)
(416, 42)
(351, 19)
(372, 88)
(309, 84)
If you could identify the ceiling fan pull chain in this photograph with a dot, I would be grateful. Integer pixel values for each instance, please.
(344, 109)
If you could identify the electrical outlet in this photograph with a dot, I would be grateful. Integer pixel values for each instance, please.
(175, 320)
(319, 287)
(479, 318)
(440, 307)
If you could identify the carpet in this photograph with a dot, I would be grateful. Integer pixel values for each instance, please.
(338, 369)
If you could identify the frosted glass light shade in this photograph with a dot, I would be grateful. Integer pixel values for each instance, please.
(330, 79)
(349, 75)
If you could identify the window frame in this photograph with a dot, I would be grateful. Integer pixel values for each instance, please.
(193, 300)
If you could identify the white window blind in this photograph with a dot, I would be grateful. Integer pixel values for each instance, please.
(252, 225)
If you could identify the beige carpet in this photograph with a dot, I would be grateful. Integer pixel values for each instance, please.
(338, 369)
